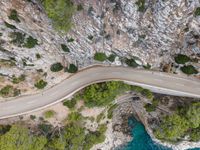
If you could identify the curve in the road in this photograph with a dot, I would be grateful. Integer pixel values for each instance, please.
(183, 85)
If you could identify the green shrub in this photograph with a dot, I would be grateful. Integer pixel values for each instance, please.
(112, 57)
(131, 62)
(148, 66)
(14, 15)
(32, 117)
(100, 56)
(70, 40)
(181, 59)
(40, 84)
(19, 79)
(110, 111)
(49, 114)
(195, 134)
(72, 68)
(65, 48)
(152, 107)
(9, 91)
(141, 5)
(30, 42)
(189, 70)
(38, 56)
(90, 37)
(100, 117)
(197, 11)
(9, 25)
(147, 93)
(17, 38)
(60, 12)
(70, 103)
(56, 67)
(79, 7)
(74, 117)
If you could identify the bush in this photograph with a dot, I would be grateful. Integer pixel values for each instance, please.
(70, 103)
(17, 38)
(9, 25)
(112, 57)
(131, 62)
(110, 111)
(32, 117)
(65, 48)
(141, 5)
(56, 67)
(9, 91)
(100, 56)
(79, 7)
(181, 59)
(74, 117)
(60, 12)
(189, 70)
(19, 79)
(70, 40)
(14, 15)
(71, 69)
(38, 56)
(152, 107)
(40, 84)
(30, 42)
(49, 114)
(197, 11)
(147, 93)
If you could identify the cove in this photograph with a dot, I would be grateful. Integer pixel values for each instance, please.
(141, 139)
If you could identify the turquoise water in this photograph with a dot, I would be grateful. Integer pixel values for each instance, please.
(142, 140)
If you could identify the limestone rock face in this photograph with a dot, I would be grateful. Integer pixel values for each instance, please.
(153, 35)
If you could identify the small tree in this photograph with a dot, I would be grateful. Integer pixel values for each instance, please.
(100, 56)
(72, 68)
(56, 67)
(181, 59)
(189, 70)
(40, 84)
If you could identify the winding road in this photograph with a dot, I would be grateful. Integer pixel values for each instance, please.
(175, 84)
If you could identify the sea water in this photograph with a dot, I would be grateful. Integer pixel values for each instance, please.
(141, 139)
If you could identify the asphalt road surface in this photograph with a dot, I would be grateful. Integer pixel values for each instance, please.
(179, 84)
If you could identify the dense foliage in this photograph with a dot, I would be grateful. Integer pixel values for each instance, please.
(197, 11)
(184, 122)
(100, 56)
(141, 5)
(40, 84)
(65, 48)
(14, 15)
(56, 67)
(9, 91)
(131, 62)
(60, 12)
(70, 103)
(30, 42)
(19, 79)
(181, 59)
(72, 68)
(189, 69)
(101, 94)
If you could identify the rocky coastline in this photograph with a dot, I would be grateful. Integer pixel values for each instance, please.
(119, 132)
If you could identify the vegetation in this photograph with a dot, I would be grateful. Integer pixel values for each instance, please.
(153, 106)
(19, 79)
(70, 40)
(74, 117)
(131, 62)
(112, 57)
(30, 42)
(14, 15)
(40, 84)
(186, 121)
(56, 67)
(90, 37)
(79, 7)
(72, 68)
(18, 138)
(182, 59)
(17, 38)
(9, 25)
(110, 111)
(38, 56)
(101, 94)
(70, 103)
(197, 11)
(65, 48)
(148, 66)
(60, 12)
(9, 91)
(100, 56)
(189, 69)
(49, 114)
(141, 5)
